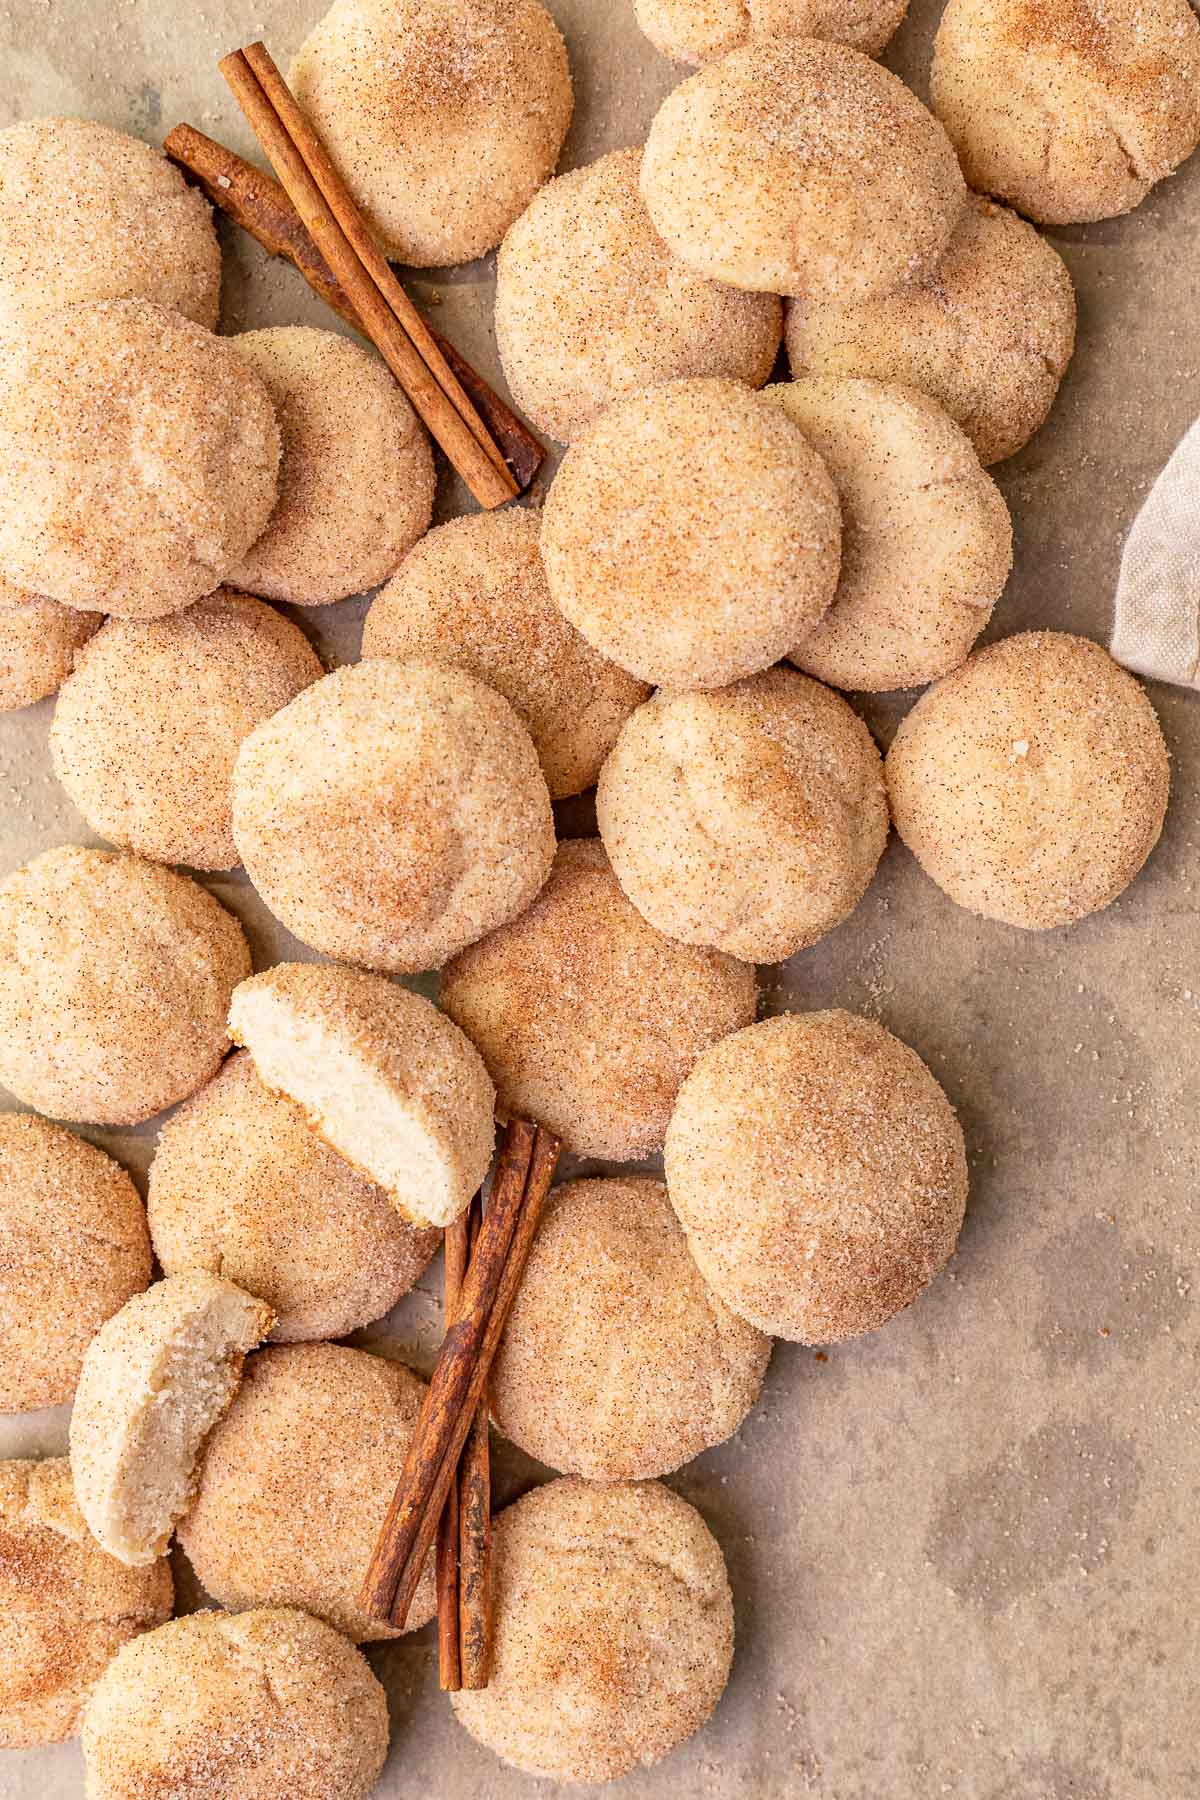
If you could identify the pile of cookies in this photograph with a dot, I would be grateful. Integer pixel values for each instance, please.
(717, 560)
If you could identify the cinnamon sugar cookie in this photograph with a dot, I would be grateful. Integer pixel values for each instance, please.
(443, 116)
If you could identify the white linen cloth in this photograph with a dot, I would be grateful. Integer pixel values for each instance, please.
(1156, 629)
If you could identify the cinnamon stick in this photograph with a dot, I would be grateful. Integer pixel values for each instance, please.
(415, 1540)
(255, 201)
(474, 1503)
(455, 1253)
(448, 1409)
(387, 314)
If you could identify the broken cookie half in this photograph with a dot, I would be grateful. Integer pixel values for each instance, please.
(386, 1079)
(156, 1378)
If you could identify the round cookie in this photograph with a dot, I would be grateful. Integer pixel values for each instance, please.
(142, 454)
(751, 820)
(613, 1631)
(592, 305)
(155, 1379)
(115, 978)
(66, 1607)
(385, 1078)
(356, 480)
(472, 595)
(988, 334)
(253, 1707)
(1031, 784)
(147, 729)
(393, 813)
(926, 536)
(297, 1480)
(798, 167)
(444, 117)
(240, 1183)
(692, 534)
(38, 643)
(617, 1362)
(587, 1018)
(700, 31)
(819, 1172)
(89, 213)
(1069, 110)
(73, 1248)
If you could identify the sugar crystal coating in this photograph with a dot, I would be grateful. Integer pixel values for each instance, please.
(613, 1631)
(473, 595)
(800, 167)
(261, 1705)
(115, 980)
(443, 116)
(751, 819)
(1071, 110)
(819, 1173)
(618, 1362)
(66, 1606)
(587, 1018)
(987, 334)
(1031, 784)
(142, 455)
(591, 304)
(89, 213)
(297, 1479)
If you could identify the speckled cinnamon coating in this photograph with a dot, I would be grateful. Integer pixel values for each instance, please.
(592, 305)
(297, 1479)
(66, 1606)
(38, 643)
(819, 1173)
(147, 729)
(926, 536)
(700, 31)
(73, 1248)
(587, 1018)
(267, 1705)
(443, 116)
(356, 480)
(988, 334)
(242, 1186)
(751, 819)
(613, 1631)
(692, 534)
(618, 1362)
(115, 978)
(89, 213)
(393, 813)
(799, 167)
(375, 1033)
(1070, 110)
(1031, 784)
(473, 595)
(141, 453)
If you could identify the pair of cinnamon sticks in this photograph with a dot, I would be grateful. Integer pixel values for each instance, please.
(464, 1542)
(333, 247)
(455, 1410)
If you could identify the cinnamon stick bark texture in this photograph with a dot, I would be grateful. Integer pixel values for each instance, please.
(455, 1252)
(524, 1171)
(341, 236)
(255, 201)
(474, 1502)
(541, 1173)
(445, 1415)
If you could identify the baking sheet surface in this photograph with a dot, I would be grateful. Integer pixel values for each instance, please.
(963, 1550)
